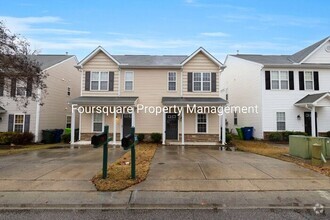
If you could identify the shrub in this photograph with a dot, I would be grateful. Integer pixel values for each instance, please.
(229, 137)
(16, 138)
(66, 138)
(156, 137)
(276, 136)
(140, 137)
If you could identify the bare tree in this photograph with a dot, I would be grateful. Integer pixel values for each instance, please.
(21, 77)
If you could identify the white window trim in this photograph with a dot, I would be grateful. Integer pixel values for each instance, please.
(15, 122)
(20, 84)
(168, 81)
(66, 120)
(279, 80)
(92, 129)
(99, 81)
(312, 89)
(281, 121)
(207, 124)
(202, 89)
(129, 81)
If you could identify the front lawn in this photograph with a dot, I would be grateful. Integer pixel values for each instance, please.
(9, 150)
(278, 152)
(119, 172)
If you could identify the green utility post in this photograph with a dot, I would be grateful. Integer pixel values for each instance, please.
(133, 153)
(103, 139)
(105, 153)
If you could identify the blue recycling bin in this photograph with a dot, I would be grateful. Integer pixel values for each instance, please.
(58, 135)
(247, 133)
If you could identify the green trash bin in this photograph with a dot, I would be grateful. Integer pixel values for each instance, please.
(240, 133)
(48, 136)
(67, 131)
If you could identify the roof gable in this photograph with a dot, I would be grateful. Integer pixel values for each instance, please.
(94, 53)
(206, 53)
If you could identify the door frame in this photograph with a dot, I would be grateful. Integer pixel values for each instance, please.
(122, 122)
(316, 130)
(177, 128)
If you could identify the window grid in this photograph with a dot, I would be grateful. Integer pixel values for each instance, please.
(202, 82)
(99, 81)
(129, 79)
(201, 123)
(172, 81)
(97, 122)
(235, 118)
(280, 119)
(280, 80)
(19, 123)
(309, 81)
(68, 121)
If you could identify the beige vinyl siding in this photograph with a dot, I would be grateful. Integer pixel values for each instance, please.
(101, 62)
(199, 63)
(56, 104)
(86, 120)
(191, 125)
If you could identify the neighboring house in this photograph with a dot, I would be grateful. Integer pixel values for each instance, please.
(291, 91)
(55, 112)
(130, 80)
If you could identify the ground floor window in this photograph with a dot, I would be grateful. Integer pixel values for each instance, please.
(19, 123)
(201, 123)
(280, 119)
(97, 122)
(68, 121)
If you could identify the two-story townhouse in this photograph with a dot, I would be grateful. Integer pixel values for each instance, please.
(291, 91)
(55, 111)
(138, 81)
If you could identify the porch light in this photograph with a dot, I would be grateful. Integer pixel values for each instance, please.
(298, 117)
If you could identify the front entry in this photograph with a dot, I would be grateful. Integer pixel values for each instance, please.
(171, 126)
(308, 123)
(127, 124)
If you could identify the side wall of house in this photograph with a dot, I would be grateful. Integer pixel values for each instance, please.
(241, 82)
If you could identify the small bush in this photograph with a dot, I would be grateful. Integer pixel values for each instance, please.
(66, 138)
(156, 137)
(140, 137)
(275, 137)
(229, 138)
(16, 138)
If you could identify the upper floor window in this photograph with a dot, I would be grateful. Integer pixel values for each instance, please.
(20, 88)
(280, 120)
(309, 80)
(99, 81)
(129, 81)
(172, 81)
(19, 123)
(280, 80)
(202, 82)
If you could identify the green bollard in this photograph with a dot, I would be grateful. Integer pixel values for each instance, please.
(105, 154)
(133, 154)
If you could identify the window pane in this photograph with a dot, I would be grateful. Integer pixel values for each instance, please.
(95, 76)
(206, 77)
(206, 86)
(104, 85)
(128, 85)
(280, 116)
(197, 86)
(275, 84)
(129, 76)
(202, 128)
(20, 91)
(95, 85)
(171, 76)
(201, 118)
(104, 76)
(284, 75)
(309, 84)
(18, 128)
(275, 75)
(197, 77)
(171, 86)
(308, 76)
(97, 127)
(19, 119)
(281, 126)
(97, 117)
(284, 84)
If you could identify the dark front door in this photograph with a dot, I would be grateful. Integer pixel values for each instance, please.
(127, 124)
(171, 126)
(308, 122)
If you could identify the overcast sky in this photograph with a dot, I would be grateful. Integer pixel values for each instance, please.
(168, 26)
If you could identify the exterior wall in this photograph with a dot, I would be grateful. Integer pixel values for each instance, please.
(321, 55)
(284, 100)
(199, 63)
(241, 81)
(55, 109)
(101, 62)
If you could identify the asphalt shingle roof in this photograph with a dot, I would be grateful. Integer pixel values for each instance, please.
(311, 98)
(282, 59)
(47, 61)
(149, 60)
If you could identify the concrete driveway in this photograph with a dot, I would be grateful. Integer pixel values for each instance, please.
(206, 169)
(62, 169)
